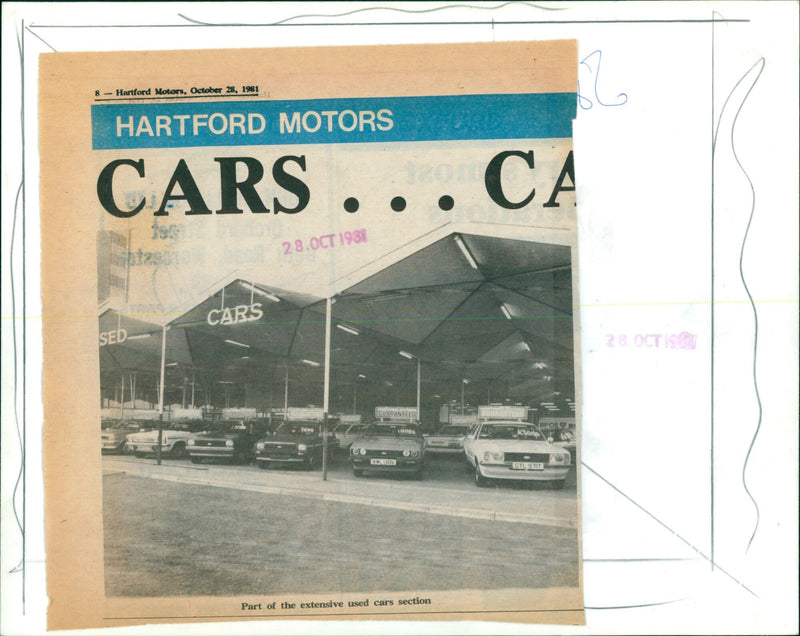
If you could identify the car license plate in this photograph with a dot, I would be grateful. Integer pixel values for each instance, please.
(527, 466)
(383, 462)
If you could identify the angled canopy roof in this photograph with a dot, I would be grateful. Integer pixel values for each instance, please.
(491, 316)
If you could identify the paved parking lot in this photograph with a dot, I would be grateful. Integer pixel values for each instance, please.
(446, 488)
(166, 536)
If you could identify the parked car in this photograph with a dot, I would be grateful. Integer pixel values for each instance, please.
(448, 440)
(389, 447)
(509, 449)
(174, 437)
(565, 438)
(346, 434)
(294, 443)
(113, 436)
(229, 441)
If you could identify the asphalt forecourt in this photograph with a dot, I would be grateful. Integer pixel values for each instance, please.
(446, 489)
(168, 538)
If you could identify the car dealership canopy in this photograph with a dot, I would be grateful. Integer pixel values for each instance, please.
(465, 317)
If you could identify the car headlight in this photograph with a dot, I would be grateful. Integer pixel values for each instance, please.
(406, 453)
(302, 448)
(362, 451)
(229, 443)
(414, 453)
(190, 442)
(353, 450)
(558, 458)
(260, 446)
(492, 456)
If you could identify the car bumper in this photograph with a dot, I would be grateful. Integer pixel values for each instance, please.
(403, 465)
(282, 459)
(113, 446)
(445, 450)
(548, 473)
(209, 451)
(148, 448)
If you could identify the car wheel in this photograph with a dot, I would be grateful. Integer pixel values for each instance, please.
(358, 472)
(178, 451)
(558, 484)
(139, 455)
(196, 460)
(263, 465)
(480, 480)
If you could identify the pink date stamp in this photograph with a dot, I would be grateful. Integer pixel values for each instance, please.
(683, 340)
(325, 241)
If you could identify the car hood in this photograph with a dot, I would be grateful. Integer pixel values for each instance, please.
(516, 446)
(288, 438)
(387, 443)
(152, 436)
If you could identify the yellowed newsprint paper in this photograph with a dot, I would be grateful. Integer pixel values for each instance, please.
(310, 347)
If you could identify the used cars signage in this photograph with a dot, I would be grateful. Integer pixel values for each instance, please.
(503, 412)
(396, 412)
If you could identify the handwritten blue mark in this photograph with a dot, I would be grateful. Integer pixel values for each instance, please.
(594, 68)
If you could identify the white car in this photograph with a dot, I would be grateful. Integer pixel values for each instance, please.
(174, 436)
(449, 439)
(514, 449)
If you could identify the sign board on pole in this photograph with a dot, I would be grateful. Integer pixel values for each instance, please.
(396, 412)
(503, 412)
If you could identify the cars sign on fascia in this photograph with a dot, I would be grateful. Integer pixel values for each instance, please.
(389, 447)
(514, 449)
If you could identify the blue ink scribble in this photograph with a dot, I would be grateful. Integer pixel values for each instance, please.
(594, 68)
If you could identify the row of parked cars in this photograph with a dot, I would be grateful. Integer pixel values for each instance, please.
(492, 448)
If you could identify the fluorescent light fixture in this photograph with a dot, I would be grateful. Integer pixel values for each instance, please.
(260, 292)
(406, 354)
(547, 403)
(140, 336)
(238, 344)
(226, 382)
(505, 310)
(347, 329)
(389, 383)
(437, 396)
(539, 365)
(526, 346)
(245, 357)
(310, 362)
(556, 392)
(465, 252)
(361, 375)
(171, 364)
(465, 381)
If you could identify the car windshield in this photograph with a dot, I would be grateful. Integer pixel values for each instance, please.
(307, 429)
(509, 431)
(453, 430)
(392, 430)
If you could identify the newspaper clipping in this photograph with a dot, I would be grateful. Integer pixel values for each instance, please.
(309, 340)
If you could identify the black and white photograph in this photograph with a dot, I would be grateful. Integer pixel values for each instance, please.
(445, 459)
